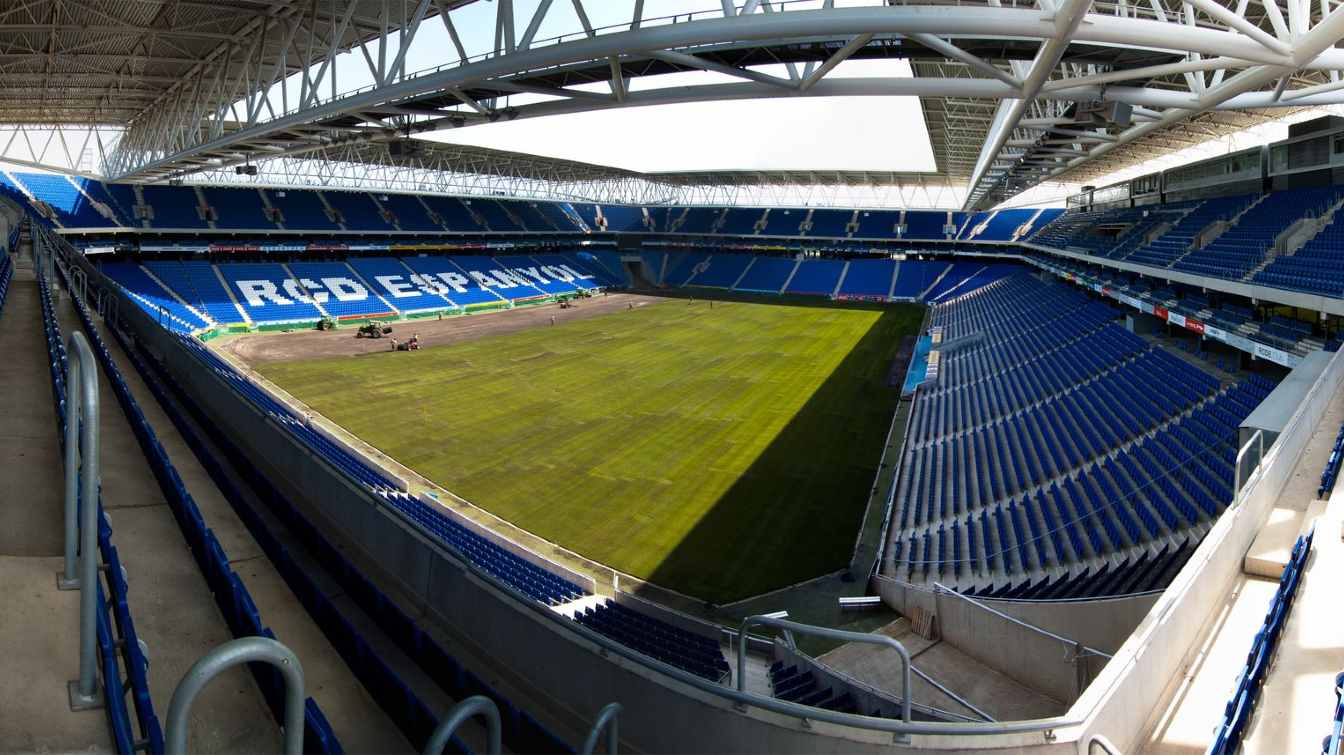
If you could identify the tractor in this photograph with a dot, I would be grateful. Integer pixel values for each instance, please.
(373, 330)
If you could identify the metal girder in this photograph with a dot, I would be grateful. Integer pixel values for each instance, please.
(452, 169)
(201, 85)
(202, 128)
(1066, 18)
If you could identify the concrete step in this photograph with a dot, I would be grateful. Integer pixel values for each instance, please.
(1270, 551)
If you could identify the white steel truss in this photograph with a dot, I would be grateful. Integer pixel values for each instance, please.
(451, 169)
(1012, 92)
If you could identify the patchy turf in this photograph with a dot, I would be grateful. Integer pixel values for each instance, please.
(721, 451)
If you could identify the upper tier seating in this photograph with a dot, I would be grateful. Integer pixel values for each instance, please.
(73, 209)
(301, 209)
(237, 208)
(1316, 268)
(924, 225)
(1001, 226)
(623, 218)
(877, 224)
(454, 214)
(174, 207)
(493, 214)
(1243, 246)
(782, 221)
(830, 223)
(358, 210)
(741, 221)
(698, 220)
(411, 215)
(1180, 237)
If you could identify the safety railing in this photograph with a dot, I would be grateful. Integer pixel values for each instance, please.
(111, 629)
(229, 591)
(479, 705)
(609, 719)
(81, 522)
(829, 634)
(224, 657)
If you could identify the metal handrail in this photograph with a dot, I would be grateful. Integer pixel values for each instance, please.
(1256, 439)
(476, 705)
(222, 658)
(830, 634)
(607, 718)
(1100, 740)
(81, 485)
(940, 588)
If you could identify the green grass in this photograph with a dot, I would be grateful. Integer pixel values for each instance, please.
(719, 452)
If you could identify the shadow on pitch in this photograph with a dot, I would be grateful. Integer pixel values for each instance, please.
(796, 511)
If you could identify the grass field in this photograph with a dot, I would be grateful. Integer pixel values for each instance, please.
(720, 452)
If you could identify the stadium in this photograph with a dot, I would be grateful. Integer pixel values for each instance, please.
(797, 376)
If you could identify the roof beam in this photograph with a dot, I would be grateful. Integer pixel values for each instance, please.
(1067, 17)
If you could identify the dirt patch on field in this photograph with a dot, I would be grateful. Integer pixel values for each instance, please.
(315, 344)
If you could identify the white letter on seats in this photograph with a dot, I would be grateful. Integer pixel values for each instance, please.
(574, 272)
(345, 289)
(255, 291)
(532, 271)
(482, 280)
(396, 286)
(427, 284)
(314, 290)
(457, 281)
(558, 273)
(292, 288)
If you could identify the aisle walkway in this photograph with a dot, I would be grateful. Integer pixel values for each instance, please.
(39, 636)
(359, 723)
(175, 613)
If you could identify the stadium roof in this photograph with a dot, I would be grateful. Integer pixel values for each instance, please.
(1012, 95)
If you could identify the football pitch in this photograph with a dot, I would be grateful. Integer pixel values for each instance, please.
(719, 451)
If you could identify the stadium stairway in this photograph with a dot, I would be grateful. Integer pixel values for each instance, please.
(372, 694)
(37, 631)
